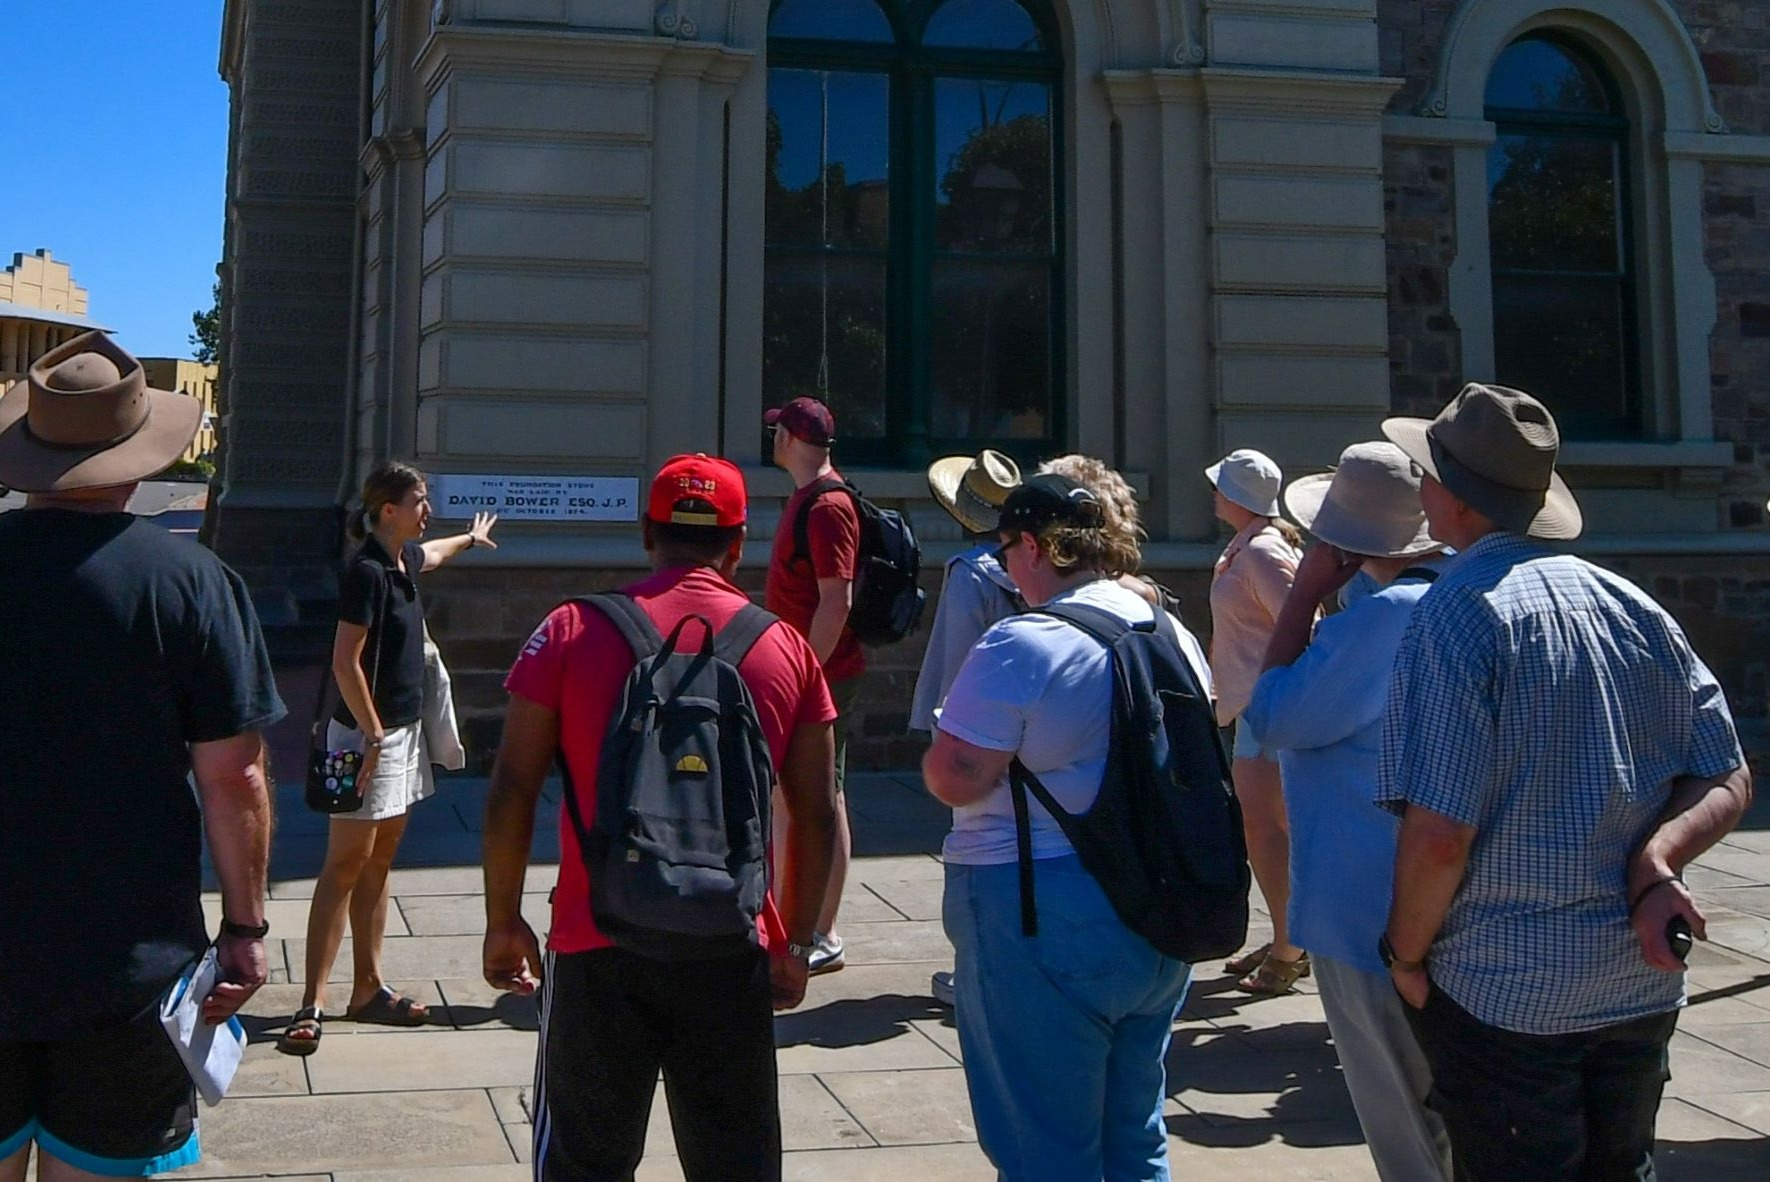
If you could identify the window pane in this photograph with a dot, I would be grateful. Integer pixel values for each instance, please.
(830, 20)
(1538, 75)
(992, 349)
(982, 24)
(818, 307)
(1552, 203)
(828, 158)
(1564, 340)
(992, 165)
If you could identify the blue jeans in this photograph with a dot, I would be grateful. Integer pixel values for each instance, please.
(1063, 1033)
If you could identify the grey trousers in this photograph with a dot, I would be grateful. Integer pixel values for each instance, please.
(1386, 1073)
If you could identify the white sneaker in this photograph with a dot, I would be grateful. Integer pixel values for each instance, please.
(826, 954)
(941, 985)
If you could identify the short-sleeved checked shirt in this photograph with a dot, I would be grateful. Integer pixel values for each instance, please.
(1549, 704)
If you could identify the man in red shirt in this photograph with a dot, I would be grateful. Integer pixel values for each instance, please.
(611, 1019)
(813, 589)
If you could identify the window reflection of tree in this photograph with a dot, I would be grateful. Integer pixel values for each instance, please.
(1563, 299)
(958, 240)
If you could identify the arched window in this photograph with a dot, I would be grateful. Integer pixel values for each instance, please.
(1564, 301)
(913, 274)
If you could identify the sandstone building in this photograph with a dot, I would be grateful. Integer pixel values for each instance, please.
(40, 307)
(563, 239)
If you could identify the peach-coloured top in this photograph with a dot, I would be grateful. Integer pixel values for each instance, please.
(1248, 588)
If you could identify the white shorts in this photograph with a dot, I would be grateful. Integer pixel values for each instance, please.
(402, 774)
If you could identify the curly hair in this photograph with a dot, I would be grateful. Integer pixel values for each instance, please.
(1115, 546)
(1116, 496)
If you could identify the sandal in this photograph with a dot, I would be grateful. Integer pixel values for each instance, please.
(388, 1008)
(1275, 977)
(1247, 962)
(302, 1037)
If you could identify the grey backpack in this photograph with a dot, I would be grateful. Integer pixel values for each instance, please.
(677, 853)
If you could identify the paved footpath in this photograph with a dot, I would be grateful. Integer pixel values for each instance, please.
(871, 1086)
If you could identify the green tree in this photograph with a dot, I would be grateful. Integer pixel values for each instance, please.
(206, 340)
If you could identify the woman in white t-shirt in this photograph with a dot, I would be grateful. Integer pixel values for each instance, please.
(1064, 1032)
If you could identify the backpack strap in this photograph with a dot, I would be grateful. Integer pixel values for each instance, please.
(1423, 573)
(1018, 776)
(629, 619)
(1102, 625)
(741, 632)
(802, 523)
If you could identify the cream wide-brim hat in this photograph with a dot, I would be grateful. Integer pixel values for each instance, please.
(973, 488)
(1369, 505)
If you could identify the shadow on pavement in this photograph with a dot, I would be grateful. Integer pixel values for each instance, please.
(1744, 1160)
(854, 1022)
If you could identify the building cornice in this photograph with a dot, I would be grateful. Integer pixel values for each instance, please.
(525, 51)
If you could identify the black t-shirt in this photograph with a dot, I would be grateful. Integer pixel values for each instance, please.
(119, 645)
(379, 596)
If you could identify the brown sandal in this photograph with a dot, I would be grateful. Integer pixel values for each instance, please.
(1247, 962)
(1275, 977)
(388, 1008)
(303, 1034)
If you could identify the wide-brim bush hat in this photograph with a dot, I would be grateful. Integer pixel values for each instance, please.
(1494, 449)
(85, 417)
(1250, 479)
(973, 488)
(1369, 505)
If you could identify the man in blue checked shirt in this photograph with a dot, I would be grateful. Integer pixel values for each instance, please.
(1319, 704)
(1557, 754)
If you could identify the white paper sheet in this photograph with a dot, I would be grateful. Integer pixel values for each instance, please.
(211, 1053)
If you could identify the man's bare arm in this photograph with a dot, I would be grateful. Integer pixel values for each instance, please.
(234, 787)
(1701, 812)
(808, 789)
(835, 598)
(960, 773)
(1430, 860)
(512, 956)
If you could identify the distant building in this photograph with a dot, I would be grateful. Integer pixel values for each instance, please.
(40, 307)
(197, 380)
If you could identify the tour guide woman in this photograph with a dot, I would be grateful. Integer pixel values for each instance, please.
(1063, 1033)
(379, 644)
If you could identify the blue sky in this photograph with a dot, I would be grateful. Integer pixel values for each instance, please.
(118, 155)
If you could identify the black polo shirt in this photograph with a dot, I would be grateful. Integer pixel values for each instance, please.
(119, 645)
(378, 595)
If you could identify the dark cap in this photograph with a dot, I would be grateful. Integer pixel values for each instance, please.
(807, 419)
(698, 490)
(1050, 499)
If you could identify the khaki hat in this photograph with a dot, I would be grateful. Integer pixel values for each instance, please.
(1494, 449)
(84, 417)
(973, 488)
(1369, 505)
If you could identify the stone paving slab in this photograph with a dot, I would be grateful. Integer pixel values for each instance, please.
(396, 1063)
(301, 1134)
(907, 1107)
(463, 915)
(403, 958)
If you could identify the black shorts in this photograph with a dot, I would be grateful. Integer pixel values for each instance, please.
(118, 1103)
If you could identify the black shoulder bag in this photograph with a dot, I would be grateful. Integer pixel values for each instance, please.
(333, 777)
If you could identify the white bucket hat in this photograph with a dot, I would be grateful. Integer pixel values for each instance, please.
(1369, 505)
(1250, 479)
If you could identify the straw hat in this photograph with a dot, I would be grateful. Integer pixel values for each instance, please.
(1369, 505)
(973, 488)
(84, 417)
(1494, 449)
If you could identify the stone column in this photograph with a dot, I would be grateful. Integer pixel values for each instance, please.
(295, 69)
(9, 362)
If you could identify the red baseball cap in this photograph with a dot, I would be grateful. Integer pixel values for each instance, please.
(807, 419)
(698, 490)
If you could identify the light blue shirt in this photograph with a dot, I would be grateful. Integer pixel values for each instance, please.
(975, 594)
(1548, 704)
(1323, 714)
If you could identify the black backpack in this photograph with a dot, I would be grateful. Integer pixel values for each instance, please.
(678, 855)
(888, 596)
(1164, 837)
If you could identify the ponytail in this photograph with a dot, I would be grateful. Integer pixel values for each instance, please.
(387, 484)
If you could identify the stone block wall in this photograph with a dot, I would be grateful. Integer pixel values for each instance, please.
(1425, 349)
(1736, 207)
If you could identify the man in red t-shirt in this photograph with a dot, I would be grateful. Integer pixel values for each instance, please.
(611, 1018)
(814, 591)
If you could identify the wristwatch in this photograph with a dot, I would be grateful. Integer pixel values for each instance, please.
(245, 931)
(1386, 950)
(801, 951)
